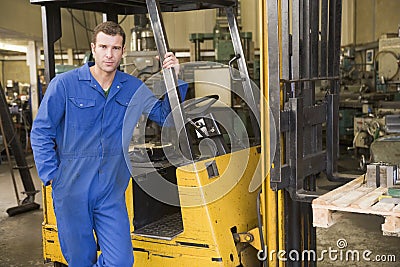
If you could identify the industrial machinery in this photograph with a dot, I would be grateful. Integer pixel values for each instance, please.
(369, 82)
(388, 64)
(230, 206)
(377, 139)
(17, 97)
(382, 167)
(369, 88)
(141, 60)
(366, 130)
(223, 50)
(222, 44)
(142, 63)
(10, 141)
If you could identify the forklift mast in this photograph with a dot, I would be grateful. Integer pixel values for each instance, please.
(302, 49)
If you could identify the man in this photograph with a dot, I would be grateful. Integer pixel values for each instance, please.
(76, 141)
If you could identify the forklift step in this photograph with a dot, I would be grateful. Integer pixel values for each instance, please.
(166, 228)
(357, 197)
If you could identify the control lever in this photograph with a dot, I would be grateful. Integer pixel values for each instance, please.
(236, 57)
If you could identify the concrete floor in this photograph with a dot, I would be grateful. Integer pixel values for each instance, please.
(20, 236)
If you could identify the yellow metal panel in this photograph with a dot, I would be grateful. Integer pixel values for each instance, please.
(48, 209)
(272, 202)
(51, 245)
(211, 209)
(146, 259)
(224, 204)
(281, 195)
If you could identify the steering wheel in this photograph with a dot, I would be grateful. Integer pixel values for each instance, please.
(192, 110)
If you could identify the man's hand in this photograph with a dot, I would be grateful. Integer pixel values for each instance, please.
(170, 61)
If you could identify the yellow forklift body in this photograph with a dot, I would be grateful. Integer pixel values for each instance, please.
(212, 210)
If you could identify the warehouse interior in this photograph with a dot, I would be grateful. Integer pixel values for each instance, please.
(330, 185)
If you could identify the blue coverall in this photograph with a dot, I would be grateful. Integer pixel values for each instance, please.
(76, 141)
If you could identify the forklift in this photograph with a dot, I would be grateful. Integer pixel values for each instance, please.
(239, 206)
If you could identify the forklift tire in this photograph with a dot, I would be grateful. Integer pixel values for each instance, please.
(58, 264)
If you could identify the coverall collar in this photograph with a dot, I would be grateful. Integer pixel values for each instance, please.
(85, 75)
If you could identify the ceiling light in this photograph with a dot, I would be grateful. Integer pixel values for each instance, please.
(11, 47)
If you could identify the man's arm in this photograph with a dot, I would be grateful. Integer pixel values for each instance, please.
(158, 111)
(44, 129)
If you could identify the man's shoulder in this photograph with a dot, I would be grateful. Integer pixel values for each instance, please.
(131, 84)
(125, 77)
(68, 74)
(64, 82)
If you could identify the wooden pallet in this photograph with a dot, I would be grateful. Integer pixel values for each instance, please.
(356, 197)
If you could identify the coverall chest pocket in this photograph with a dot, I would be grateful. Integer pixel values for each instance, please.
(123, 101)
(82, 112)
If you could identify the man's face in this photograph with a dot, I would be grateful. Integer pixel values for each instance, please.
(107, 51)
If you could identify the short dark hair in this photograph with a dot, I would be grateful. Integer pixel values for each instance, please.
(109, 28)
